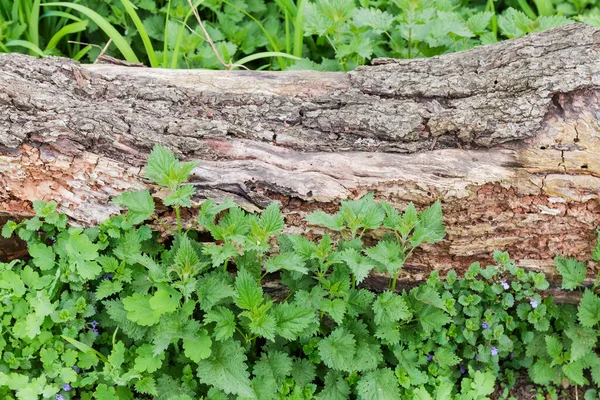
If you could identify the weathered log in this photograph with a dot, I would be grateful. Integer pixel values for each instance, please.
(506, 135)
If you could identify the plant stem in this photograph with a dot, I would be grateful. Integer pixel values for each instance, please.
(177, 214)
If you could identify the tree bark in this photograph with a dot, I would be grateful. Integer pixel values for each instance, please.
(506, 135)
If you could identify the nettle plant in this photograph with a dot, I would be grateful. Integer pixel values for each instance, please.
(110, 312)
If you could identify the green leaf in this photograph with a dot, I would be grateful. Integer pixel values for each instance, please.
(146, 360)
(43, 256)
(139, 310)
(140, 205)
(514, 23)
(589, 309)
(336, 388)
(359, 265)
(104, 392)
(107, 288)
(337, 350)
(271, 219)
(335, 308)
(291, 320)
(180, 197)
(478, 22)
(445, 357)
(287, 262)
(584, 340)
(226, 369)
(379, 21)
(224, 320)
(212, 289)
(389, 254)
(334, 222)
(433, 319)
(248, 294)
(574, 371)
(164, 301)
(429, 228)
(554, 346)
(146, 385)
(381, 384)
(198, 348)
(164, 169)
(572, 271)
(389, 307)
(82, 251)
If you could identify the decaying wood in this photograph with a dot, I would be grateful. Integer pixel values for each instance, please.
(506, 135)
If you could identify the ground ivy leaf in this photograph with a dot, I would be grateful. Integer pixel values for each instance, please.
(146, 360)
(139, 310)
(163, 302)
(43, 256)
(198, 348)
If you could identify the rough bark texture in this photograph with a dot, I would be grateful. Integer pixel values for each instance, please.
(507, 136)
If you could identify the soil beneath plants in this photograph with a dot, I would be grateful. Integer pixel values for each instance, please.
(525, 390)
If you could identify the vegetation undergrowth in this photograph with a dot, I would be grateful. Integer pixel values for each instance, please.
(328, 35)
(111, 312)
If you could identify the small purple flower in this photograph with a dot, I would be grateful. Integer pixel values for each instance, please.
(429, 357)
(505, 285)
(494, 351)
(59, 397)
(76, 368)
(94, 324)
(533, 303)
(66, 387)
(462, 369)
(484, 325)
(476, 357)
(107, 277)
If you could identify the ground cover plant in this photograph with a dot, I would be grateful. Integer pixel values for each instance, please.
(112, 312)
(330, 35)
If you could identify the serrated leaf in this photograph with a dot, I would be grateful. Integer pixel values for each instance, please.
(379, 21)
(140, 205)
(107, 288)
(583, 340)
(554, 346)
(164, 169)
(286, 262)
(389, 307)
(224, 320)
(146, 385)
(478, 22)
(359, 265)
(271, 219)
(336, 388)
(433, 319)
(212, 289)
(180, 197)
(335, 308)
(589, 309)
(381, 384)
(337, 350)
(572, 271)
(291, 320)
(445, 357)
(389, 254)
(334, 222)
(226, 369)
(429, 228)
(248, 294)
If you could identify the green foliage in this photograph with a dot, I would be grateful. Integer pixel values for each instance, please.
(327, 35)
(108, 313)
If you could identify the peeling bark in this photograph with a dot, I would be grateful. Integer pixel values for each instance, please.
(506, 135)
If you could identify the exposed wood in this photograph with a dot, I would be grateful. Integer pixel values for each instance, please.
(506, 135)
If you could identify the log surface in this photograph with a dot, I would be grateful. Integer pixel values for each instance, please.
(506, 135)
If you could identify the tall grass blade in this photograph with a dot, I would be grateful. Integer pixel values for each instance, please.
(34, 23)
(28, 45)
(266, 54)
(66, 30)
(142, 31)
(103, 24)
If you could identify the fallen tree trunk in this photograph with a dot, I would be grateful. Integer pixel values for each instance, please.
(505, 135)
